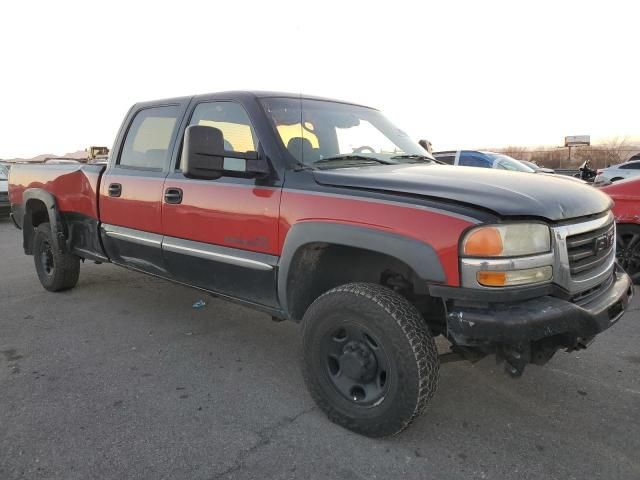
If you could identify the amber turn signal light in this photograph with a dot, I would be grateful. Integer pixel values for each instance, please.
(484, 242)
(492, 279)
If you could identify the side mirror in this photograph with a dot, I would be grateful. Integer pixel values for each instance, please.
(203, 156)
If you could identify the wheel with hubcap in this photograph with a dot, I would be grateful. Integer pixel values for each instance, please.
(56, 270)
(628, 250)
(370, 361)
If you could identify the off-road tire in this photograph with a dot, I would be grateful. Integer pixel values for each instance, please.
(406, 340)
(64, 268)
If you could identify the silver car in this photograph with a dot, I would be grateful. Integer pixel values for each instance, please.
(618, 172)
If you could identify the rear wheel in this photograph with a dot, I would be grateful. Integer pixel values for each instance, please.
(370, 362)
(57, 271)
(615, 179)
(628, 250)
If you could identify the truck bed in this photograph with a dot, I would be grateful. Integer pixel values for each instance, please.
(75, 187)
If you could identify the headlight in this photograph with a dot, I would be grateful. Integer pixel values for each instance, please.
(509, 240)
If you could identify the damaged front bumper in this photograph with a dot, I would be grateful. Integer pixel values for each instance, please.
(531, 330)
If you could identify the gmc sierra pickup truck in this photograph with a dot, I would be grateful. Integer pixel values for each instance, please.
(325, 213)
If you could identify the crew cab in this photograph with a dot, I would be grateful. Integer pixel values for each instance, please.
(323, 212)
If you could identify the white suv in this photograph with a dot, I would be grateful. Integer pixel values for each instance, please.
(618, 172)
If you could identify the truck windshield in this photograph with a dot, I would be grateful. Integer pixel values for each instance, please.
(323, 132)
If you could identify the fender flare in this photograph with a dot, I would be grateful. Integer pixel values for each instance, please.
(420, 256)
(55, 220)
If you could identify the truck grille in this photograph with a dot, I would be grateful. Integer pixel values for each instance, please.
(590, 250)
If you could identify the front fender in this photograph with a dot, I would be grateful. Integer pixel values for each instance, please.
(420, 256)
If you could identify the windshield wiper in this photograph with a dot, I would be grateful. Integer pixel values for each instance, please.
(412, 157)
(350, 158)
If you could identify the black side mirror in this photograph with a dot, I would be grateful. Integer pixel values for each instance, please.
(203, 156)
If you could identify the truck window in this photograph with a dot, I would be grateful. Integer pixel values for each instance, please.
(473, 160)
(148, 139)
(312, 130)
(232, 120)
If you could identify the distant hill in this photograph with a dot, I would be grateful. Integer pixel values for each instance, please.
(77, 155)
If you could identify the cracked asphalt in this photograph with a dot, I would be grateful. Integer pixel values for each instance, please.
(121, 378)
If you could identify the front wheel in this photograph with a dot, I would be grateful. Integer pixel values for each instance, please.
(56, 270)
(370, 362)
(628, 250)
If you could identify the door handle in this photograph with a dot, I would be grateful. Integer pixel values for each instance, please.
(173, 195)
(115, 190)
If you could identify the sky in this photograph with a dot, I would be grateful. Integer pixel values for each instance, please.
(463, 74)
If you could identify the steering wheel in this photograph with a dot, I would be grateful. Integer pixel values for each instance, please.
(363, 148)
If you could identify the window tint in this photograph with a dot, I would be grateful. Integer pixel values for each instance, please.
(474, 160)
(148, 138)
(232, 120)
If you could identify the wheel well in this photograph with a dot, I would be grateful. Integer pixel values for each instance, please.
(615, 179)
(319, 267)
(35, 213)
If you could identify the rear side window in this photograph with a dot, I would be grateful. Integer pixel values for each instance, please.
(474, 160)
(148, 139)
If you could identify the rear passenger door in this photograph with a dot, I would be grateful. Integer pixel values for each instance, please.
(131, 188)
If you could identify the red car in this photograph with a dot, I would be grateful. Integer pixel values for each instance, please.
(626, 195)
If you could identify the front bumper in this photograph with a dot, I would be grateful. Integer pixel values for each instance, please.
(509, 323)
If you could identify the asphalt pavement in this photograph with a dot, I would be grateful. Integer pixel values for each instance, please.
(122, 378)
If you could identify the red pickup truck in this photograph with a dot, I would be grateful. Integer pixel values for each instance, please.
(324, 212)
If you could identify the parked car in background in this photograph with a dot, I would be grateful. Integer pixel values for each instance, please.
(626, 195)
(618, 172)
(476, 158)
(537, 168)
(5, 206)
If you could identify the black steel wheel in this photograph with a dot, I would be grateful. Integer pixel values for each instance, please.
(370, 362)
(56, 270)
(628, 249)
(356, 363)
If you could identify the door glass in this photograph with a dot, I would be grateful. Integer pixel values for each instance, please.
(149, 137)
(232, 120)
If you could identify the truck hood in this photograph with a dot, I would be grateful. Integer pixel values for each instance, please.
(503, 192)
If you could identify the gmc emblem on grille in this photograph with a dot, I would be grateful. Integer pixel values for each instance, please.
(603, 242)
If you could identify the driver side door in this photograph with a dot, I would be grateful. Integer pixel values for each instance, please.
(222, 235)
